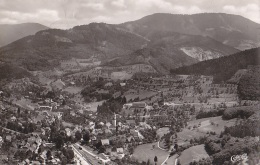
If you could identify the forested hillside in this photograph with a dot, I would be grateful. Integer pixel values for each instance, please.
(224, 67)
(249, 84)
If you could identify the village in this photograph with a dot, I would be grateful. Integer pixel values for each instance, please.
(104, 121)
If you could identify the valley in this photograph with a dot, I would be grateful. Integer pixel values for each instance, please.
(166, 89)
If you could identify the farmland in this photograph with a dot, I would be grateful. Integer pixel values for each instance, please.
(146, 152)
(194, 153)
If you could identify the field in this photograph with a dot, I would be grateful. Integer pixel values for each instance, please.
(142, 95)
(93, 106)
(25, 103)
(199, 128)
(88, 62)
(215, 124)
(146, 152)
(194, 153)
(71, 64)
(185, 135)
(120, 75)
(45, 78)
(171, 160)
(160, 132)
(73, 90)
(66, 124)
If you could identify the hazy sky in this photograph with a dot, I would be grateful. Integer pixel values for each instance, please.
(68, 13)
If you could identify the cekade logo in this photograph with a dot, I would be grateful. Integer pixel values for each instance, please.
(237, 158)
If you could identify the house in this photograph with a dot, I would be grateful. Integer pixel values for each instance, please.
(145, 125)
(108, 124)
(31, 140)
(91, 125)
(35, 162)
(68, 131)
(109, 84)
(58, 114)
(120, 150)
(138, 106)
(33, 147)
(117, 94)
(2, 107)
(112, 127)
(97, 131)
(8, 138)
(45, 108)
(155, 105)
(107, 131)
(58, 85)
(136, 134)
(72, 113)
(122, 84)
(55, 161)
(102, 91)
(131, 122)
(1, 141)
(105, 142)
(127, 106)
(93, 138)
(131, 91)
(13, 118)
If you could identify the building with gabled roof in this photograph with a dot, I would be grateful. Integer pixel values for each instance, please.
(105, 142)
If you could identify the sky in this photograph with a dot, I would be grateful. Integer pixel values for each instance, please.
(65, 14)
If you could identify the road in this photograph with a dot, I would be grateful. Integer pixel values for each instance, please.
(168, 157)
(170, 160)
(89, 155)
(81, 159)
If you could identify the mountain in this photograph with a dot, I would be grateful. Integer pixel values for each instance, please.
(168, 50)
(12, 32)
(232, 30)
(47, 48)
(163, 41)
(223, 68)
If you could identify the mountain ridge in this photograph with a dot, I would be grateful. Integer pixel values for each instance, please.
(157, 42)
(170, 52)
(233, 30)
(12, 32)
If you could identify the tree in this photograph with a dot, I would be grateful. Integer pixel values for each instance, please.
(86, 137)
(178, 162)
(18, 111)
(69, 155)
(148, 162)
(63, 102)
(59, 141)
(64, 160)
(131, 150)
(48, 155)
(176, 146)
(124, 100)
(102, 149)
(155, 159)
(78, 135)
(99, 144)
